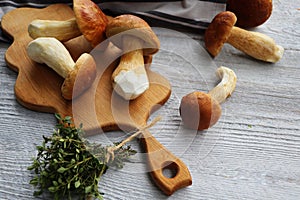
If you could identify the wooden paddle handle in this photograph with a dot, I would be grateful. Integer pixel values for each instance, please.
(160, 159)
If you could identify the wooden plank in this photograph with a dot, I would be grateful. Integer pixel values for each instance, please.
(251, 153)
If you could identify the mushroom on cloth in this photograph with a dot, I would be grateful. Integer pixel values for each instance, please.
(250, 13)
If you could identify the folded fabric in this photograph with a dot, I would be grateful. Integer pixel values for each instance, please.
(195, 14)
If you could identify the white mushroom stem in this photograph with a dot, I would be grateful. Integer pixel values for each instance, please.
(227, 85)
(130, 78)
(50, 51)
(61, 30)
(255, 44)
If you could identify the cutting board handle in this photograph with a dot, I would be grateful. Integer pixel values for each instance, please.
(160, 159)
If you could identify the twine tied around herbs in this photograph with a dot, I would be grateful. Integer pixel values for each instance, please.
(110, 150)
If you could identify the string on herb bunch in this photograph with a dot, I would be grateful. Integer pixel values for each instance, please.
(112, 149)
(67, 165)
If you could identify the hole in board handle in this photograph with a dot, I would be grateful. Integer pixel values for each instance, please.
(170, 169)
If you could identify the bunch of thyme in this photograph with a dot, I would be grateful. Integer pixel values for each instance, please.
(66, 165)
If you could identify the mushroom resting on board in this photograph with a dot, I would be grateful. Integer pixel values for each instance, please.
(50, 51)
(135, 37)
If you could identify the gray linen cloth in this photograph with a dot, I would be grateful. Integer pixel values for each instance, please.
(194, 14)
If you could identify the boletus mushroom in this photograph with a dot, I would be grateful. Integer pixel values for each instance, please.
(136, 38)
(199, 110)
(250, 13)
(52, 52)
(89, 21)
(222, 30)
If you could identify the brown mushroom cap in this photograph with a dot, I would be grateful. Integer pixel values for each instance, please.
(199, 111)
(134, 26)
(219, 31)
(90, 20)
(250, 13)
(84, 74)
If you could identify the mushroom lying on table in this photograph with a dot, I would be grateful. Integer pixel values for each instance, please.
(89, 21)
(200, 111)
(257, 45)
(136, 38)
(50, 51)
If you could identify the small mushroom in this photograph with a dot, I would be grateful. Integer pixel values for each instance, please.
(257, 45)
(200, 111)
(89, 21)
(52, 52)
(250, 13)
(136, 38)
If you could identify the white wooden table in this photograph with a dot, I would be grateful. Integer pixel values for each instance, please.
(253, 152)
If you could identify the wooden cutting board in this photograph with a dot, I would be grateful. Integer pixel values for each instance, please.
(38, 87)
(99, 109)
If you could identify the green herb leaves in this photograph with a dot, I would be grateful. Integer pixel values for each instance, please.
(67, 165)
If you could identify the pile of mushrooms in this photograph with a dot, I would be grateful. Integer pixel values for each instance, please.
(48, 46)
(128, 32)
(138, 42)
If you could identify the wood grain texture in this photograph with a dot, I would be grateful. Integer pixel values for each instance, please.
(33, 78)
(251, 153)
